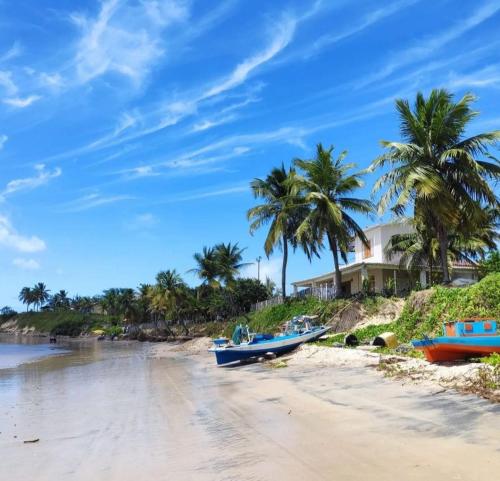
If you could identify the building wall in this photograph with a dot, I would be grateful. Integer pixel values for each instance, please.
(379, 237)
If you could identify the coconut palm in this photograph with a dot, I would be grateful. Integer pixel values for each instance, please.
(60, 300)
(171, 287)
(435, 169)
(26, 297)
(328, 186)
(229, 261)
(283, 210)
(40, 294)
(207, 267)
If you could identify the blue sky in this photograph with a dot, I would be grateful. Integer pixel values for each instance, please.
(130, 130)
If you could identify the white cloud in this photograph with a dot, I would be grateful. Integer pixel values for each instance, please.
(143, 221)
(10, 238)
(237, 189)
(52, 81)
(27, 264)
(283, 34)
(7, 83)
(13, 52)
(210, 124)
(365, 22)
(91, 201)
(124, 38)
(42, 177)
(3, 140)
(21, 102)
(486, 77)
(430, 45)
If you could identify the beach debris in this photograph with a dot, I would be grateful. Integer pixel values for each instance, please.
(31, 441)
(351, 340)
(386, 339)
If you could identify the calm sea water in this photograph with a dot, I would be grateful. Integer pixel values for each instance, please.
(15, 351)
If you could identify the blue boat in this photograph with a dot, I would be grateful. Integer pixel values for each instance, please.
(246, 345)
(470, 337)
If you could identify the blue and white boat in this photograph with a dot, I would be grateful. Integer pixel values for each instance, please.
(246, 345)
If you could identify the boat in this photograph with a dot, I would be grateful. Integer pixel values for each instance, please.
(470, 337)
(246, 345)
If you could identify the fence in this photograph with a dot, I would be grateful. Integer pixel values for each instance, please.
(324, 293)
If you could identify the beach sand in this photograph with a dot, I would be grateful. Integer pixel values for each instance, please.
(118, 411)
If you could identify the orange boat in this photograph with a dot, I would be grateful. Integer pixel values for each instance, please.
(470, 337)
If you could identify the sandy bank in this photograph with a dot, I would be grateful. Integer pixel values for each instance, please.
(460, 376)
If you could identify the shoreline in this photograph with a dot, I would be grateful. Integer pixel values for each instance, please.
(129, 411)
(460, 377)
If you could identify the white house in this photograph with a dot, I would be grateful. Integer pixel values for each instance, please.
(371, 263)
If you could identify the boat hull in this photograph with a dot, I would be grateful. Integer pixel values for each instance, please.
(442, 349)
(277, 345)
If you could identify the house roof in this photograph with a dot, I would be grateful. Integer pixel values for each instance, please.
(349, 268)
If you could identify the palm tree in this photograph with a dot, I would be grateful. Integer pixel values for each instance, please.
(435, 169)
(327, 186)
(207, 267)
(418, 249)
(229, 261)
(26, 297)
(172, 287)
(283, 209)
(40, 294)
(60, 300)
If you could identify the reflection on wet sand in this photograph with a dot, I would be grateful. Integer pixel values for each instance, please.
(109, 411)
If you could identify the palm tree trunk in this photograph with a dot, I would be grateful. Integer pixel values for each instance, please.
(283, 268)
(337, 287)
(443, 250)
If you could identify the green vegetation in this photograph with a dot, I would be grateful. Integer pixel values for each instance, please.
(436, 170)
(67, 323)
(492, 360)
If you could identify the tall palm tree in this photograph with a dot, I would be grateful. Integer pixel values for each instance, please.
(41, 294)
(170, 287)
(229, 261)
(207, 267)
(283, 209)
(26, 297)
(328, 186)
(436, 169)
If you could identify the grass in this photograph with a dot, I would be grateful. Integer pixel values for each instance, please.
(68, 323)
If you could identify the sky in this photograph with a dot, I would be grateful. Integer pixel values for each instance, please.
(131, 129)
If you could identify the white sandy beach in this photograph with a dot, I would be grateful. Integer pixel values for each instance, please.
(138, 412)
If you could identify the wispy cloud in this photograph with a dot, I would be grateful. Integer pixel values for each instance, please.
(6, 82)
(486, 77)
(354, 28)
(92, 201)
(3, 140)
(142, 221)
(237, 189)
(42, 177)
(124, 39)
(171, 112)
(21, 102)
(11, 239)
(26, 264)
(431, 44)
(283, 34)
(11, 53)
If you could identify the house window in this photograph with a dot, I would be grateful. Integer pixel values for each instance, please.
(367, 249)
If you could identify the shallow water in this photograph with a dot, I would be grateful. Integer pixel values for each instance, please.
(17, 350)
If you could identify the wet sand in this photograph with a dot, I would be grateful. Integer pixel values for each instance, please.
(111, 411)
